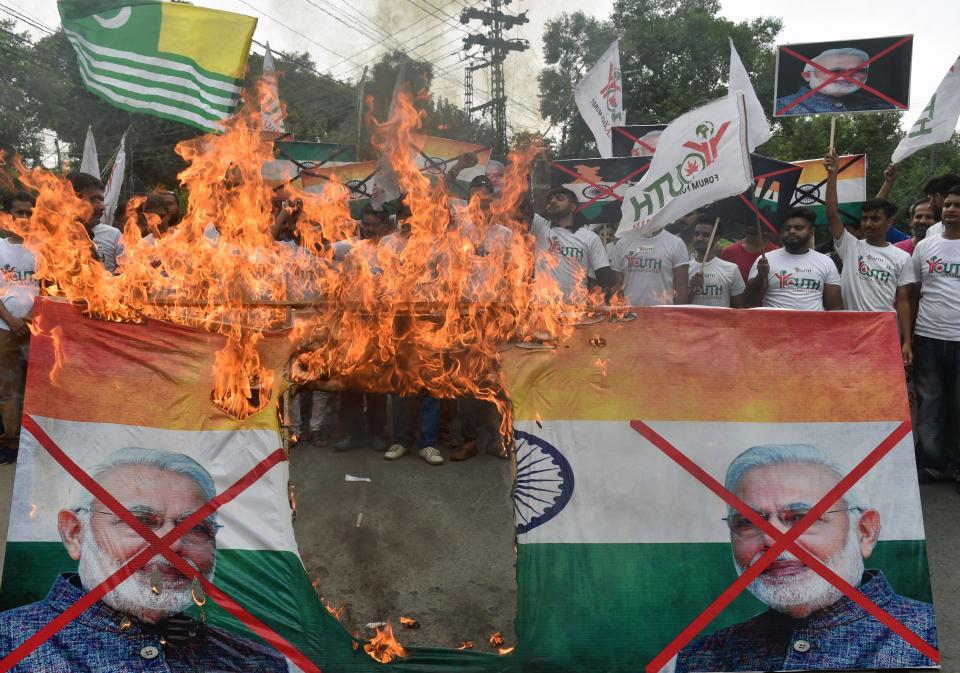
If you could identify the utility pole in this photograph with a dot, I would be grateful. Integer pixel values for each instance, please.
(468, 90)
(468, 84)
(496, 48)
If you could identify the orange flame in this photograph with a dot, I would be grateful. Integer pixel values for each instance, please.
(409, 622)
(466, 645)
(425, 310)
(495, 639)
(506, 650)
(384, 647)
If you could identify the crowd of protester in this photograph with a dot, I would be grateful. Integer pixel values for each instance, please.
(864, 266)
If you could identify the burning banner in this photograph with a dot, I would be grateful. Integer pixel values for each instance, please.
(634, 490)
(851, 187)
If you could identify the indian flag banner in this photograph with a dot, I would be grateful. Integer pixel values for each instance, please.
(172, 60)
(98, 391)
(628, 537)
(851, 187)
(106, 401)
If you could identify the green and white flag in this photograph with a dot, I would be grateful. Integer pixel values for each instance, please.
(171, 60)
(938, 120)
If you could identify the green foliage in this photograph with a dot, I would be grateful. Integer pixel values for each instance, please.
(674, 57)
(20, 128)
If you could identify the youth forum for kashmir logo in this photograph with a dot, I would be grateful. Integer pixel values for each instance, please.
(687, 175)
(612, 92)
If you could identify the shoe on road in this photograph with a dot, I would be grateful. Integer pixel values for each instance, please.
(465, 452)
(431, 454)
(395, 451)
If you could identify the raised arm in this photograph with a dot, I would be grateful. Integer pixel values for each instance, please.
(889, 177)
(833, 212)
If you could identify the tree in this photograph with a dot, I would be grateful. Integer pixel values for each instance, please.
(572, 43)
(20, 129)
(673, 54)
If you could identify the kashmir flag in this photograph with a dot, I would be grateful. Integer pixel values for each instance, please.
(168, 59)
(89, 163)
(599, 97)
(851, 187)
(758, 129)
(624, 437)
(270, 96)
(938, 121)
(701, 157)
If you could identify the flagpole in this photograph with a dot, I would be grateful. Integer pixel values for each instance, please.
(753, 189)
(706, 255)
(360, 92)
(833, 132)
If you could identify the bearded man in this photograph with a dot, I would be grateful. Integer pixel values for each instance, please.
(139, 625)
(811, 624)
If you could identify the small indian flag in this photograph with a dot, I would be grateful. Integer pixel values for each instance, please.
(851, 187)
(168, 59)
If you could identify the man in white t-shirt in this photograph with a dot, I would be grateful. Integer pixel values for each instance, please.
(794, 276)
(876, 274)
(653, 269)
(713, 281)
(18, 289)
(936, 347)
(571, 253)
(936, 189)
(106, 239)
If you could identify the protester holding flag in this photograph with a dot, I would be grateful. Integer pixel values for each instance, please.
(795, 277)
(936, 346)
(744, 252)
(654, 270)
(568, 251)
(713, 282)
(876, 275)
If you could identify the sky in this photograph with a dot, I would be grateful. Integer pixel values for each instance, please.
(344, 35)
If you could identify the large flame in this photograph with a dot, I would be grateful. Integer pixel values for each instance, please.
(426, 314)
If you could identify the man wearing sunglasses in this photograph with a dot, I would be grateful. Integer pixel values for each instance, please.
(140, 624)
(810, 624)
(846, 69)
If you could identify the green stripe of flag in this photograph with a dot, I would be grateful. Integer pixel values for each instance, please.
(170, 64)
(630, 600)
(144, 85)
(164, 77)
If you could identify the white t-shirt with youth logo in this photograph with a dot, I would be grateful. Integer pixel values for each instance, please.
(18, 288)
(871, 274)
(578, 254)
(797, 281)
(936, 262)
(647, 265)
(721, 280)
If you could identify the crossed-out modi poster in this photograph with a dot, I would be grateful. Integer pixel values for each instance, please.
(718, 490)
